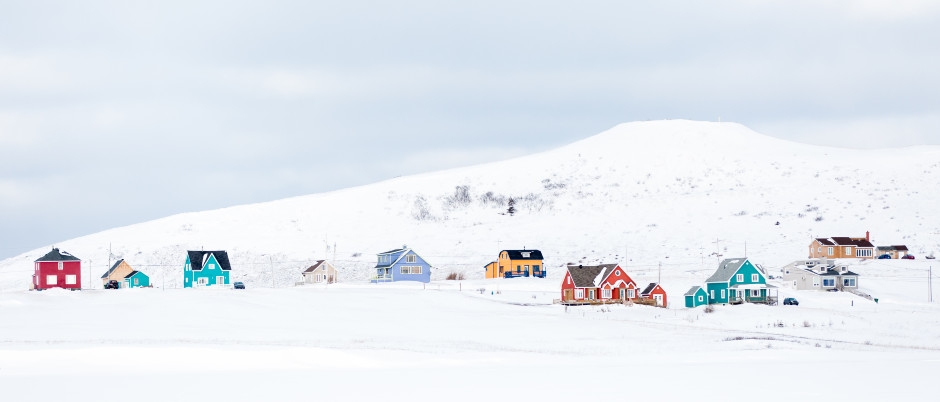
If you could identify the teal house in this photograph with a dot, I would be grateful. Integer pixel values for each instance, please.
(736, 281)
(206, 268)
(696, 297)
(136, 279)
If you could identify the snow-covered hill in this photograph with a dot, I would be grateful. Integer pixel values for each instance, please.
(676, 193)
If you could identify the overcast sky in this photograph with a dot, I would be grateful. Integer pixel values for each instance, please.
(114, 113)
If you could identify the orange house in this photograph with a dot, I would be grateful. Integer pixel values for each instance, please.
(516, 263)
(597, 284)
(842, 247)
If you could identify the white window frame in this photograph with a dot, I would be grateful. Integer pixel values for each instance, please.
(591, 294)
(863, 252)
(755, 292)
(739, 277)
(579, 293)
(411, 258)
(712, 294)
(722, 293)
(831, 251)
(815, 281)
(211, 266)
(832, 282)
(52, 279)
(755, 278)
(203, 281)
(71, 280)
(569, 279)
(848, 250)
(631, 293)
(606, 293)
(61, 265)
(220, 280)
(845, 282)
(700, 298)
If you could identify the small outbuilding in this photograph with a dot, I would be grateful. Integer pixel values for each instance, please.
(656, 293)
(695, 297)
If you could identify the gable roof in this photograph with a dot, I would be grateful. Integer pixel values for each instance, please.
(397, 250)
(583, 276)
(404, 252)
(197, 258)
(56, 255)
(131, 274)
(726, 269)
(113, 267)
(851, 241)
(649, 288)
(693, 291)
(520, 254)
(824, 241)
(314, 266)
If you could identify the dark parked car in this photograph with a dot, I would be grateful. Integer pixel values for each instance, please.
(239, 285)
(884, 257)
(790, 302)
(930, 257)
(112, 284)
(908, 257)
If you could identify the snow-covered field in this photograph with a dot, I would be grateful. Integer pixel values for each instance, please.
(452, 340)
(678, 195)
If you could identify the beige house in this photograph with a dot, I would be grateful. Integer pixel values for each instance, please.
(842, 247)
(120, 270)
(896, 251)
(321, 272)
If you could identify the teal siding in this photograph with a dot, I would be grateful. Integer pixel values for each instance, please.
(693, 299)
(747, 271)
(209, 274)
(717, 292)
(142, 281)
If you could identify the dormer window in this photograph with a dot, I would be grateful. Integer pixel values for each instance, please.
(526, 254)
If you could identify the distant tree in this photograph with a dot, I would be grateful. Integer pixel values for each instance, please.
(512, 207)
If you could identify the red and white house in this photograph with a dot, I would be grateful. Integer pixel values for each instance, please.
(656, 293)
(57, 269)
(597, 284)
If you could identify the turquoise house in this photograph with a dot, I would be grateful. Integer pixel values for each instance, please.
(206, 268)
(696, 297)
(136, 279)
(737, 281)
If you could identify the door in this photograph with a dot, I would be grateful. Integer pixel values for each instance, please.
(568, 295)
(658, 299)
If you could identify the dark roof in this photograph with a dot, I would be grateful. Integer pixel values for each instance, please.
(900, 248)
(518, 254)
(397, 250)
(130, 274)
(824, 241)
(196, 258)
(649, 288)
(314, 266)
(584, 275)
(113, 267)
(852, 241)
(56, 255)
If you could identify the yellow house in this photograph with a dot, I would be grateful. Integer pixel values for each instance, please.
(118, 272)
(515, 263)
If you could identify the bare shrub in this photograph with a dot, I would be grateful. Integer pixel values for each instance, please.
(460, 198)
(455, 276)
(420, 210)
(709, 309)
(807, 324)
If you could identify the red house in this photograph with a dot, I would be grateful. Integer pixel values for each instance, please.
(655, 292)
(597, 284)
(58, 269)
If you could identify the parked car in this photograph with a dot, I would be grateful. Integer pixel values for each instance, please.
(112, 284)
(908, 257)
(930, 257)
(884, 257)
(239, 285)
(791, 302)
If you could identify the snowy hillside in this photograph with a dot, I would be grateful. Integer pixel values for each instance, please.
(677, 193)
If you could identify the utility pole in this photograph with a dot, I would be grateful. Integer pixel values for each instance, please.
(659, 274)
(745, 249)
(930, 283)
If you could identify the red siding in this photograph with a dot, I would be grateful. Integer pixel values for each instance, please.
(44, 269)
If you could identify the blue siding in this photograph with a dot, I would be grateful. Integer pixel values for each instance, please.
(393, 267)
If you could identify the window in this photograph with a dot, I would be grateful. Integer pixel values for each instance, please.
(863, 252)
(137, 281)
(220, 280)
(819, 250)
(211, 266)
(70, 279)
(755, 278)
(830, 250)
(188, 267)
(526, 268)
(815, 281)
(410, 269)
(51, 279)
(591, 294)
(203, 281)
(579, 293)
(535, 267)
(700, 298)
(526, 254)
(739, 277)
(755, 292)
(631, 293)
(616, 273)
(722, 293)
(606, 293)
(60, 265)
(569, 279)
(712, 294)
(829, 282)
(850, 282)
(518, 268)
(411, 258)
(848, 250)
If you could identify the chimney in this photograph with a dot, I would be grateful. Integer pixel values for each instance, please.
(867, 236)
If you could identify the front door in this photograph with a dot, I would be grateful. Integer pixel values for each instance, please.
(568, 295)
(658, 299)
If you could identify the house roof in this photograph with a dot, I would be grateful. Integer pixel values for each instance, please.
(113, 267)
(900, 248)
(852, 241)
(824, 241)
(589, 276)
(56, 255)
(314, 266)
(397, 250)
(521, 254)
(693, 291)
(649, 288)
(130, 274)
(197, 258)
(726, 269)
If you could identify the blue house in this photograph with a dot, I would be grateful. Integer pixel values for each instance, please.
(735, 281)
(206, 268)
(401, 264)
(136, 279)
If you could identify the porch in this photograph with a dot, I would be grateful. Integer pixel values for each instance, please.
(753, 293)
